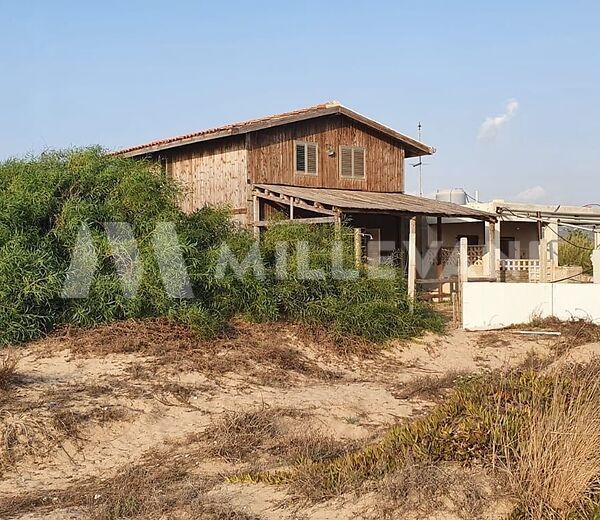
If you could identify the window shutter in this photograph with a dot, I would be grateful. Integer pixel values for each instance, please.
(359, 162)
(300, 158)
(311, 158)
(346, 161)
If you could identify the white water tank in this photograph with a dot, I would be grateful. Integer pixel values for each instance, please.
(455, 195)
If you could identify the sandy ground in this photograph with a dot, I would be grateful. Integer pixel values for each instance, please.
(127, 402)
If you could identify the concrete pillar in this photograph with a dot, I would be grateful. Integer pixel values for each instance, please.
(412, 259)
(463, 271)
(596, 265)
(596, 237)
(551, 237)
(491, 261)
(543, 261)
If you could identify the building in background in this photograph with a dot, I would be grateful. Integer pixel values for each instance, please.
(520, 231)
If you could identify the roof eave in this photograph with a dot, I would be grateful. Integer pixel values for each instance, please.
(413, 147)
(417, 147)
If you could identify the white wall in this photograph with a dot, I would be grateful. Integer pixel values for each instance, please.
(488, 305)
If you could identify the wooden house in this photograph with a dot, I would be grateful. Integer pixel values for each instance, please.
(321, 164)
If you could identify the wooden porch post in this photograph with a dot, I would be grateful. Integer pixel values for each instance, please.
(438, 267)
(412, 261)
(357, 248)
(256, 215)
(338, 224)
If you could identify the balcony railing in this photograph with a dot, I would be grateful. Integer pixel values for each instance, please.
(519, 265)
(451, 255)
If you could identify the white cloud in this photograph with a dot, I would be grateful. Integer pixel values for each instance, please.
(531, 194)
(489, 128)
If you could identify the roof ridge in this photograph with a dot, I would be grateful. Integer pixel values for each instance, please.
(249, 125)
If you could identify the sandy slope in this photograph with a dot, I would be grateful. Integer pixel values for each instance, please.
(162, 398)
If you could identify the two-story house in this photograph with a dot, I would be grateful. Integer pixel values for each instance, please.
(322, 164)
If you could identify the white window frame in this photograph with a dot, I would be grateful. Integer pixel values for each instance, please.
(353, 176)
(305, 143)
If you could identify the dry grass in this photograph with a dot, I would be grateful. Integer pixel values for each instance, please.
(556, 462)
(418, 490)
(37, 423)
(170, 483)
(429, 387)
(492, 340)
(23, 433)
(163, 485)
(9, 361)
(574, 332)
(270, 354)
(238, 435)
(158, 491)
(266, 433)
(38, 433)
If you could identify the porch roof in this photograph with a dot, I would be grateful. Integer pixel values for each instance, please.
(354, 201)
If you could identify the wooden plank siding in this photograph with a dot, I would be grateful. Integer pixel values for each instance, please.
(271, 155)
(222, 171)
(213, 173)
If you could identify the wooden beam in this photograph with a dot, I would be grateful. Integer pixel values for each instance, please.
(256, 215)
(439, 267)
(297, 202)
(315, 220)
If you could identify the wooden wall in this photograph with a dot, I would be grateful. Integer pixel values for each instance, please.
(220, 172)
(211, 173)
(271, 155)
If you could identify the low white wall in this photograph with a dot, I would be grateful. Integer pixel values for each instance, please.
(488, 305)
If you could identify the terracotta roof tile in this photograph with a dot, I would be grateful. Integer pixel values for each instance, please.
(250, 125)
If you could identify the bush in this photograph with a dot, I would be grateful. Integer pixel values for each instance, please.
(576, 250)
(47, 201)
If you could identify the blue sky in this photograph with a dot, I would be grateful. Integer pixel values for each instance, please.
(122, 73)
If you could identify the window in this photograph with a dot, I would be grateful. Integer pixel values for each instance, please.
(306, 158)
(352, 162)
(164, 165)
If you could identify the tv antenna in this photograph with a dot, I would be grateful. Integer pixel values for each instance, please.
(420, 164)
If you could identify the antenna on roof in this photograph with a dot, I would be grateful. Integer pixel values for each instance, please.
(420, 164)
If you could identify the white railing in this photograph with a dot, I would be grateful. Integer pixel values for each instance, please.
(451, 255)
(532, 267)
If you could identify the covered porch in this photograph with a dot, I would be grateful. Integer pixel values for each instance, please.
(388, 227)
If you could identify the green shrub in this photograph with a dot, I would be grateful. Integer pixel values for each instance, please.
(45, 201)
(576, 250)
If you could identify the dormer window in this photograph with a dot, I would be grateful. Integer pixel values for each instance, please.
(352, 162)
(306, 158)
